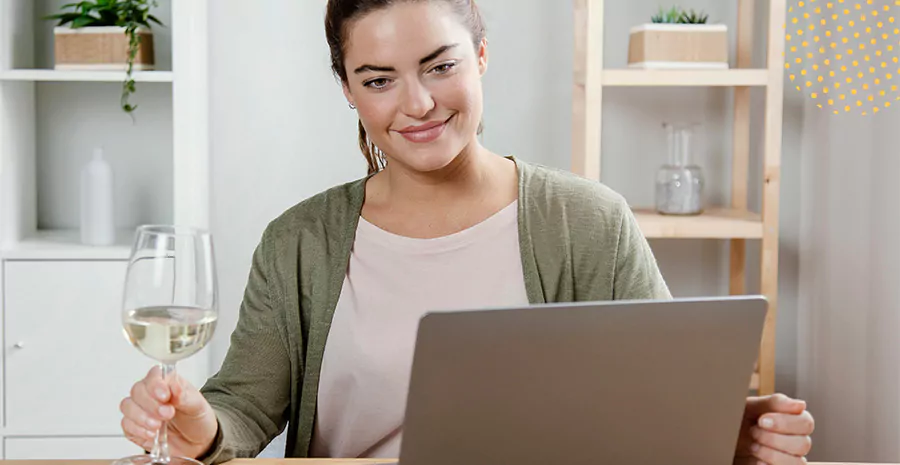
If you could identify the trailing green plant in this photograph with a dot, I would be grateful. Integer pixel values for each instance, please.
(128, 14)
(676, 15)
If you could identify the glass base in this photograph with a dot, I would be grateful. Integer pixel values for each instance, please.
(677, 213)
(146, 460)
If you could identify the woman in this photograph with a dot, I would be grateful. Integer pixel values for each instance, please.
(325, 337)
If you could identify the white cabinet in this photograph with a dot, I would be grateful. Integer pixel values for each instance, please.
(68, 363)
(98, 448)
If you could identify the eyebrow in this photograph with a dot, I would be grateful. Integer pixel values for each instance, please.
(389, 69)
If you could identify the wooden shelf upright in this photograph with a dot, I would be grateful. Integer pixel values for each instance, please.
(732, 222)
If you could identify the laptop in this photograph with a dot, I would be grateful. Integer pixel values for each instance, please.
(620, 382)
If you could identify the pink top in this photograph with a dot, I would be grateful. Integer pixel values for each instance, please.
(391, 282)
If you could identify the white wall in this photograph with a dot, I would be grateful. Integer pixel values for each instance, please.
(850, 264)
(140, 154)
(281, 130)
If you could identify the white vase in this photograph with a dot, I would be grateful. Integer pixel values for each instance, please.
(97, 223)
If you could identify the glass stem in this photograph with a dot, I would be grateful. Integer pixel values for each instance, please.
(160, 453)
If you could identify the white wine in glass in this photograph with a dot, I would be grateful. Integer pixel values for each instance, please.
(169, 334)
(170, 307)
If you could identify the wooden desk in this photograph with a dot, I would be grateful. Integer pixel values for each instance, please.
(233, 462)
(262, 462)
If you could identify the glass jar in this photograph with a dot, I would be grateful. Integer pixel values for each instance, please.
(679, 183)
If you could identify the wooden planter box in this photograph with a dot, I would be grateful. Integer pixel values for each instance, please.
(678, 46)
(100, 48)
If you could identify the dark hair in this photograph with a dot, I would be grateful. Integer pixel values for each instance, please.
(340, 13)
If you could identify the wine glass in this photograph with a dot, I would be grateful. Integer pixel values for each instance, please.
(170, 306)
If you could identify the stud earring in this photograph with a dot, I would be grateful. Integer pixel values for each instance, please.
(352, 106)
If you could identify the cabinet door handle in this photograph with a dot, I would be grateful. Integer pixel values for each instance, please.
(19, 345)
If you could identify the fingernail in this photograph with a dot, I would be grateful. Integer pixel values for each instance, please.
(153, 423)
(150, 434)
(767, 423)
(165, 410)
(160, 394)
(754, 447)
(761, 463)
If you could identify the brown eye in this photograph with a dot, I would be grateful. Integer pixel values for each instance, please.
(444, 68)
(377, 84)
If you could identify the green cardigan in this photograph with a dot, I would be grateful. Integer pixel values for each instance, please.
(578, 240)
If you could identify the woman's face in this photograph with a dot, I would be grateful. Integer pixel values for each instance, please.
(415, 79)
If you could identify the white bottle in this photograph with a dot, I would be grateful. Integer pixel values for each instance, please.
(97, 225)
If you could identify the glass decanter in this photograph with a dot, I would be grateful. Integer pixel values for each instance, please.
(679, 183)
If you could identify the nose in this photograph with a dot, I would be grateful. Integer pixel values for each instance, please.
(417, 100)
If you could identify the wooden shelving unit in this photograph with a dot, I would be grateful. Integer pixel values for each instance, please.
(719, 223)
(694, 78)
(732, 222)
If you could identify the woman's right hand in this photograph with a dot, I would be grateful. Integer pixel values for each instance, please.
(192, 423)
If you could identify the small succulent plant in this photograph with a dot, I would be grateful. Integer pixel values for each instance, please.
(693, 17)
(666, 16)
(676, 15)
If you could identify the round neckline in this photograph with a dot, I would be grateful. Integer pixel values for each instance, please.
(369, 232)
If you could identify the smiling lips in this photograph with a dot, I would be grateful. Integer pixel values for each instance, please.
(425, 133)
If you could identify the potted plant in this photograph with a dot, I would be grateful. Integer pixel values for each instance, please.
(106, 35)
(678, 39)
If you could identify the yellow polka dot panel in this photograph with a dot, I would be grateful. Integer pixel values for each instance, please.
(851, 45)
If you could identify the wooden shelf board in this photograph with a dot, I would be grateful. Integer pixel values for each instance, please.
(711, 77)
(50, 75)
(719, 223)
(66, 245)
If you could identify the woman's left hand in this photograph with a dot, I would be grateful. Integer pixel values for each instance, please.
(775, 431)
